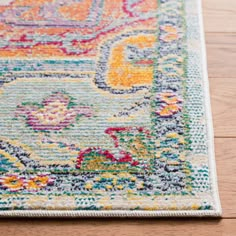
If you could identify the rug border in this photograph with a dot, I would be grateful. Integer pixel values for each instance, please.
(217, 212)
(207, 103)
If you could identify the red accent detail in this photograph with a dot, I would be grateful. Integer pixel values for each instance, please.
(144, 62)
(107, 154)
(23, 39)
(49, 43)
(64, 50)
(81, 156)
(134, 163)
(74, 42)
(111, 31)
(126, 10)
(126, 158)
(110, 132)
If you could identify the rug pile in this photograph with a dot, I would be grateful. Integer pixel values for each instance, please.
(105, 109)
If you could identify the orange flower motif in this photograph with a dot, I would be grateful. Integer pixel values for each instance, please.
(170, 104)
(169, 110)
(171, 33)
(38, 182)
(15, 183)
(169, 98)
(12, 182)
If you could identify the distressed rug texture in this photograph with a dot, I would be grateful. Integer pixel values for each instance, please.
(104, 109)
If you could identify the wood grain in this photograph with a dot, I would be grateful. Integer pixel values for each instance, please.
(226, 169)
(223, 99)
(220, 27)
(221, 55)
(220, 16)
(119, 227)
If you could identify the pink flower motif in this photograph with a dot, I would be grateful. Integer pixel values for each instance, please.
(56, 112)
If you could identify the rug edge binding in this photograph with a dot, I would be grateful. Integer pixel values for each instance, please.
(115, 213)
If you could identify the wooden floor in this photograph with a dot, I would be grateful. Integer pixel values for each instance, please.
(220, 28)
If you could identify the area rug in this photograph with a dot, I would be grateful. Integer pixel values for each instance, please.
(104, 109)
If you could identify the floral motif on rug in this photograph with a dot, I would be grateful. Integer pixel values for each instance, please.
(103, 109)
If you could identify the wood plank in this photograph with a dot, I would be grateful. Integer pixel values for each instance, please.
(226, 169)
(219, 16)
(221, 55)
(119, 227)
(223, 95)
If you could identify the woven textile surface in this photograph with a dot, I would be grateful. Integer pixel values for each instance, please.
(104, 109)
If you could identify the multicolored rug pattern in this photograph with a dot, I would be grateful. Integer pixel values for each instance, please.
(102, 106)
